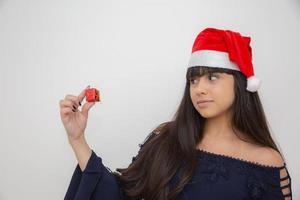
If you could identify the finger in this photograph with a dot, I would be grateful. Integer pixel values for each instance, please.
(82, 94)
(74, 99)
(66, 111)
(86, 107)
(69, 104)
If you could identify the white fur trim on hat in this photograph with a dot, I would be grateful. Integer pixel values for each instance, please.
(212, 58)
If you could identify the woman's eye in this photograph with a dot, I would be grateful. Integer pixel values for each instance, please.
(192, 81)
(213, 77)
(210, 77)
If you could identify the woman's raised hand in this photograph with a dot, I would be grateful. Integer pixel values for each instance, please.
(73, 119)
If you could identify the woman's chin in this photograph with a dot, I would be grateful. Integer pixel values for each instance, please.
(207, 114)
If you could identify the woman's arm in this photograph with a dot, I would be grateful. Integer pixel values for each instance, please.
(81, 150)
(95, 181)
(91, 179)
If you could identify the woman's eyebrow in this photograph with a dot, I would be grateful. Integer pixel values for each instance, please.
(219, 73)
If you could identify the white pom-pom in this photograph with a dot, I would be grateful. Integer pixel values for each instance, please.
(253, 83)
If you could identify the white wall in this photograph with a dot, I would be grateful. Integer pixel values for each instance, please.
(136, 53)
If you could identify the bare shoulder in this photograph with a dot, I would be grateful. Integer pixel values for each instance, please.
(268, 156)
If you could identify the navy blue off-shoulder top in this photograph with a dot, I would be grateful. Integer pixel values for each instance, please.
(218, 177)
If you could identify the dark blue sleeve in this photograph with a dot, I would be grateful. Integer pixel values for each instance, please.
(95, 182)
(282, 190)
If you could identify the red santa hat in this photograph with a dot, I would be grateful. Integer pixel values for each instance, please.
(225, 49)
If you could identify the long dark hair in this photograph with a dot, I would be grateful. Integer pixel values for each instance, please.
(174, 147)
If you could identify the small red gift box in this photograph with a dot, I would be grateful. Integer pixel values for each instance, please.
(92, 95)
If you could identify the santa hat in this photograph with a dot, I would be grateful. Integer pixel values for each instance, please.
(225, 49)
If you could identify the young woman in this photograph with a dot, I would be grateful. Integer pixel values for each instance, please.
(217, 146)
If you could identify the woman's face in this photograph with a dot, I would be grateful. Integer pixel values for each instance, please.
(217, 88)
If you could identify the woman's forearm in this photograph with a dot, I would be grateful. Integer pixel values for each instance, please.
(82, 151)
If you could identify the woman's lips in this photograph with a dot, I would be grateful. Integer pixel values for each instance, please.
(204, 103)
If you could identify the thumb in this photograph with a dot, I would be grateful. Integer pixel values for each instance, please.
(86, 107)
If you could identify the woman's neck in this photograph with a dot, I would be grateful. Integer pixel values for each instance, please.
(219, 133)
(218, 127)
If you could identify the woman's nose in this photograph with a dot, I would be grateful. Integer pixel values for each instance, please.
(202, 91)
(202, 87)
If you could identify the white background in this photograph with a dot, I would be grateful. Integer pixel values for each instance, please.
(136, 53)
